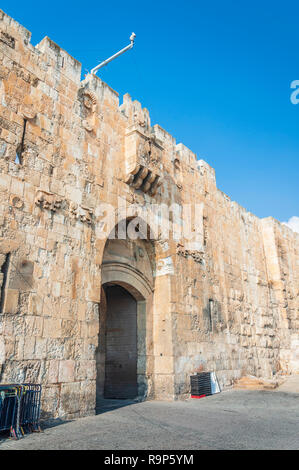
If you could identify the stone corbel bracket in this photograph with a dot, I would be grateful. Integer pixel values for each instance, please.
(143, 161)
(27, 112)
(48, 201)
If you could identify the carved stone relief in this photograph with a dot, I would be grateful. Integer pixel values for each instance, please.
(17, 202)
(84, 214)
(196, 255)
(53, 202)
(90, 104)
(48, 201)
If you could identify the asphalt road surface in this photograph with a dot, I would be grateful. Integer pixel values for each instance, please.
(233, 419)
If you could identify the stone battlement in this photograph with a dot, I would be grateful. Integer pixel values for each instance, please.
(50, 59)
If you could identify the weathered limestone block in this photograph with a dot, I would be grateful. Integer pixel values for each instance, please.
(66, 371)
(85, 370)
(2, 350)
(41, 351)
(87, 397)
(11, 303)
(50, 401)
(52, 328)
(70, 400)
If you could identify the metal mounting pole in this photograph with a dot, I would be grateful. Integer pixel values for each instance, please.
(102, 64)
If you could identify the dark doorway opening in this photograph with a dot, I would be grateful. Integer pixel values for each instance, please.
(120, 344)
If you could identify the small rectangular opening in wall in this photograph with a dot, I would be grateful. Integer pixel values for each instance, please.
(20, 149)
(211, 310)
(87, 187)
(4, 271)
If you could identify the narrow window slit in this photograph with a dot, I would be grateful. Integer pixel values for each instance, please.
(4, 271)
(20, 148)
(211, 309)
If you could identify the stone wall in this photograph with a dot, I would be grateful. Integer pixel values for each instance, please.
(66, 146)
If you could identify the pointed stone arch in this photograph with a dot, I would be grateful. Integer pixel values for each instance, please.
(126, 271)
(134, 266)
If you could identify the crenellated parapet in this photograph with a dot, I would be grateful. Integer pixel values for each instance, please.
(60, 59)
(150, 154)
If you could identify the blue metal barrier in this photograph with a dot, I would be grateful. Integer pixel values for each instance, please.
(9, 408)
(30, 408)
(20, 408)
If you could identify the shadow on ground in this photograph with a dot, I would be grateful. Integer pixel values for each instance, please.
(232, 420)
(53, 422)
(4, 435)
(107, 404)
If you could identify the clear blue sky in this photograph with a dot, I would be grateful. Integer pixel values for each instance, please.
(216, 75)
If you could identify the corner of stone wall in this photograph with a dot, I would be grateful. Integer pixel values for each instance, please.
(283, 281)
(7, 23)
(206, 170)
(270, 248)
(186, 155)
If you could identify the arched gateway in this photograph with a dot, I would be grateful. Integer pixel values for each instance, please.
(125, 337)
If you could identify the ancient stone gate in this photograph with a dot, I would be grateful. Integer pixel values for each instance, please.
(68, 150)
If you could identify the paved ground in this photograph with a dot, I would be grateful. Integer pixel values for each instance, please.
(230, 420)
(291, 384)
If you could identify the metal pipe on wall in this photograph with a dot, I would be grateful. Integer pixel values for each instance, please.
(105, 62)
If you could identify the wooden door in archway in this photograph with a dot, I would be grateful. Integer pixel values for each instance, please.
(121, 344)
